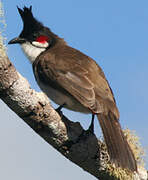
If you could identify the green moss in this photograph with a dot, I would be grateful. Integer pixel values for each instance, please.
(113, 173)
(136, 147)
(119, 173)
(2, 29)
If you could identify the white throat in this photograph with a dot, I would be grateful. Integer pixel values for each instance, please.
(32, 52)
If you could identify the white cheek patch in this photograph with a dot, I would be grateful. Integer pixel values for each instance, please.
(41, 45)
(31, 51)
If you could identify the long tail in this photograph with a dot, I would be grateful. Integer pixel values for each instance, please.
(118, 148)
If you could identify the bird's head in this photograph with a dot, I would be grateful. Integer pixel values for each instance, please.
(35, 37)
(33, 31)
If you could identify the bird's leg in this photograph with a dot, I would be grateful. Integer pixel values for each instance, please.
(91, 127)
(60, 108)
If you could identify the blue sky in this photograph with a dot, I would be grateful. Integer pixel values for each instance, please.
(115, 34)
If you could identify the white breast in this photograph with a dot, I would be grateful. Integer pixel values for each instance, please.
(32, 52)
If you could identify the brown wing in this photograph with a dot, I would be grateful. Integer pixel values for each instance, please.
(77, 74)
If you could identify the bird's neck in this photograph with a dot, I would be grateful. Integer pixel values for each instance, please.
(31, 51)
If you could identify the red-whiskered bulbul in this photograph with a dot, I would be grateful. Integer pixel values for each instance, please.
(73, 79)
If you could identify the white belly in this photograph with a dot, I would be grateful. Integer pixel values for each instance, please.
(60, 98)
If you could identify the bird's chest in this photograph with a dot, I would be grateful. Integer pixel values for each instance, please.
(52, 90)
(58, 94)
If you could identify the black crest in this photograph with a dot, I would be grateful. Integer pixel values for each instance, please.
(31, 25)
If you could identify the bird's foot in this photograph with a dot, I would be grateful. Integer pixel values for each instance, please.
(91, 127)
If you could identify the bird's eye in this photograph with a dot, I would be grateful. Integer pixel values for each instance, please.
(42, 39)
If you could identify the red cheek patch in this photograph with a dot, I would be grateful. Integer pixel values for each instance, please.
(42, 39)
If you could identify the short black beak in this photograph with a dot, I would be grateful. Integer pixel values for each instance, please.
(17, 40)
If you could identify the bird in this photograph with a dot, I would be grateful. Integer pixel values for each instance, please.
(74, 81)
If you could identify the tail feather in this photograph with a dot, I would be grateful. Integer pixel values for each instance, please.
(118, 148)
